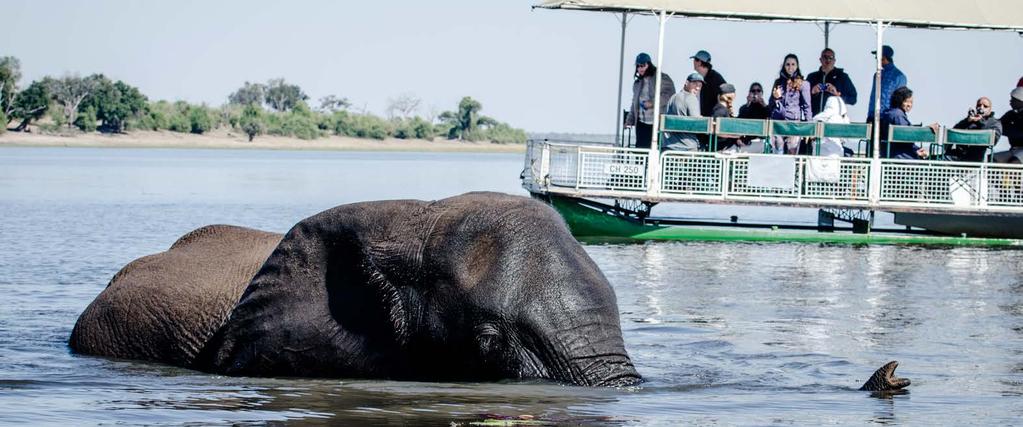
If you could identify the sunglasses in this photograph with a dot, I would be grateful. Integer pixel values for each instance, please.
(828, 58)
(756, 91)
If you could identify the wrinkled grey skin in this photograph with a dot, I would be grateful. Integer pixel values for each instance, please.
(165, 307)
(481, 286)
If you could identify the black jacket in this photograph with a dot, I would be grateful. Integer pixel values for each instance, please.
(711, 89)
(840, 80)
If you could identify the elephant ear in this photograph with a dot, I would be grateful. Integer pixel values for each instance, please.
(321, 305)
(165, 307)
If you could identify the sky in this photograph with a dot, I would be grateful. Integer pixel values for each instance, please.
(540, 70)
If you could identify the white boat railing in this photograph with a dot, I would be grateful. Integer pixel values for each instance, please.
(843, 182)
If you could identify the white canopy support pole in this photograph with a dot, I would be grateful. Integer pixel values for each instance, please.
(654, 166)
(877, 90)
(621, 76)
(657, 81)
(827, 33)
(875, 163)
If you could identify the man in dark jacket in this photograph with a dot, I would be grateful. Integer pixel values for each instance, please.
(829, 81)
(980, 118)
(712, 81)
(1012, 128)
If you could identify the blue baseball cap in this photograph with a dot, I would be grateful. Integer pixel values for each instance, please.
(694, 77)
(702, 56)
(643, 58)
(886, 52)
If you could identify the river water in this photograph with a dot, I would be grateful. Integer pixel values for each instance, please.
(724, 333)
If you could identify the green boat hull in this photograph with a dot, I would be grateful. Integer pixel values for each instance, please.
(591, 225)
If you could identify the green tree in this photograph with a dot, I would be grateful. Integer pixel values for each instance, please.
(252, 121)
(248, 94)
(282, 96)
(86, 120)
(115, 103)
(31, 104)
(332, 103)
(3, 122)
(70, 91)
(464, 123)
(200, 119)
(10, 73)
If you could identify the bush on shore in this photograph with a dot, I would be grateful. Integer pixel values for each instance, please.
(276, 107)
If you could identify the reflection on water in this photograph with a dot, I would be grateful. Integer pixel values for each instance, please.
(725, 333)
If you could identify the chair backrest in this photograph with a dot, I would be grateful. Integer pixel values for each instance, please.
(787, 128)
(742, 127)
(685, 124)
(846, 130)
(984, 137)
(911, 134)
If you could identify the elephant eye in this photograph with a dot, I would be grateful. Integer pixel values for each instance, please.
(487, 337)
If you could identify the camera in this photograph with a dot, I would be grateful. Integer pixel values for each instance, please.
(973, 112)
(823, 87)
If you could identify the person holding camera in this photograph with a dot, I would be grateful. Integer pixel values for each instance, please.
(755, 106)
(829, 81)
(982, 117)
(790, 100)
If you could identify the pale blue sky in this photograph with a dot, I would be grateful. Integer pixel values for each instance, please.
(537, 69)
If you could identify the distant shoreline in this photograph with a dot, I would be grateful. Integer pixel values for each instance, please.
(234, 140)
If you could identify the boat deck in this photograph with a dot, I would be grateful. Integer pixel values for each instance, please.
(602, 171)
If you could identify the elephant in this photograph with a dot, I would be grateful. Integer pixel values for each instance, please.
(477, 287)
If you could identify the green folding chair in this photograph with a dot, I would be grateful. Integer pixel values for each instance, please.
(976, 138)
(797, 129)
(909, 134)
(684, 124)
(739, 127)
(858, 131)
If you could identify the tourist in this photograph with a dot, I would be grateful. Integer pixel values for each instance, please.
(896, 114)
(712, 80)
(790, 100)
(685, 103)
(982, 117)
(1012, 128)
(755, 106)
(829, 81)
(641, 115)
(724, 108)
(891, 79)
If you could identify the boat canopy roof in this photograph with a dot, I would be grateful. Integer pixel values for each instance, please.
(953, 14)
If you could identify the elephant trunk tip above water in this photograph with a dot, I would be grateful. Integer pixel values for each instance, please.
(482, 286)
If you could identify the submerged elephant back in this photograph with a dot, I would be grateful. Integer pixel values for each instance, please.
(165, 307)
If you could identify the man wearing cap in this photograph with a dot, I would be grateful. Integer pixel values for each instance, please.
(891, 79)
(829, 81)
(712, 80)
(685, 103)
(1012, 128)
(641, 115)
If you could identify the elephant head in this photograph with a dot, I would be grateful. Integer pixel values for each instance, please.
(481, 286)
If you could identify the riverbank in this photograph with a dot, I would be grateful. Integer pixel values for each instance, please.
(222, 139)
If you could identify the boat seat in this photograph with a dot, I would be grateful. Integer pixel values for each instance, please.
(790, 128)
(740, 127)
(910, 134)
(978, 137)
(671, 123)
(858, 131)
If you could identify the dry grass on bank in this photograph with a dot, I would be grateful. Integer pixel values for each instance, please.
(221, 139)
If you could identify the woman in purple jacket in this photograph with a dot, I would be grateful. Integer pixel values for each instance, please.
(790, 100)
